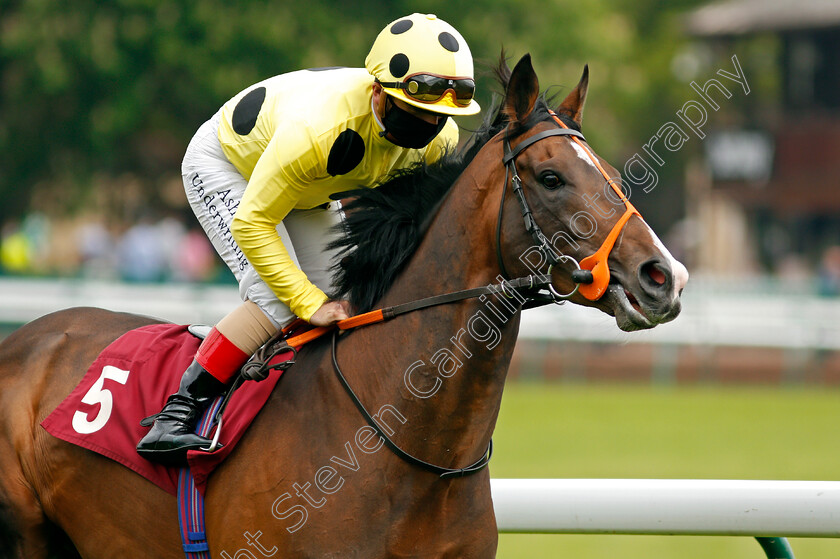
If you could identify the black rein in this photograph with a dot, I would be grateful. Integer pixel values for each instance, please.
(529, 284)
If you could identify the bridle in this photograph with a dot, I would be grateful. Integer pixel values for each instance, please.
(594, 284)
(591, 277)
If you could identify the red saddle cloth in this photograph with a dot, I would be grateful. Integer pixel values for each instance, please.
(130, 380)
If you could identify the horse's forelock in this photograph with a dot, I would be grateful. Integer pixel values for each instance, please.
(502, 70)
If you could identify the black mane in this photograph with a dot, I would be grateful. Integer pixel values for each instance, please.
(384, 225)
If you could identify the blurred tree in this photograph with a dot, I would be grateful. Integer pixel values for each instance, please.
(89, 87)
(100, 89)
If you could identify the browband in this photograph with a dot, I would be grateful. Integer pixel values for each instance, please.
(537, 137)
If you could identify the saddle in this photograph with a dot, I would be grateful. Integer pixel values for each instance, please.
(143, 366)
(132, 376)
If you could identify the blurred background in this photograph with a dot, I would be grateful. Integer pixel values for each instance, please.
(99, 100)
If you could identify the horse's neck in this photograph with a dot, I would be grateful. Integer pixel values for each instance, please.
(458, 249)
(447, 364)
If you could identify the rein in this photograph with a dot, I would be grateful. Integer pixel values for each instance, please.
(258, 367)
(438, 470)
(504, 288)
(591, 277)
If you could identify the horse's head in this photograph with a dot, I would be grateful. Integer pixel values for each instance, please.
(579, 212)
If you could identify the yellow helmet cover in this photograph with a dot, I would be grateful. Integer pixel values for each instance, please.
(422, 44)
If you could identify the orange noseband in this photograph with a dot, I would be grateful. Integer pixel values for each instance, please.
(597, 262)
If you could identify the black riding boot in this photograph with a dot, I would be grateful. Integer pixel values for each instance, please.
(172, 434)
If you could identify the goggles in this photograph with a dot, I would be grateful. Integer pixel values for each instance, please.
(429, 88)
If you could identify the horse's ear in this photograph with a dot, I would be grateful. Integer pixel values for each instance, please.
(572, 105)
(522, 90)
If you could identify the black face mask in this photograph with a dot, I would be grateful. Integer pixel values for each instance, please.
(408, 131)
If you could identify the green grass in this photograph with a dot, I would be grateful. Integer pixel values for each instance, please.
(629, 431)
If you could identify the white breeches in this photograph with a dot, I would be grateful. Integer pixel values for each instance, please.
(214, 189)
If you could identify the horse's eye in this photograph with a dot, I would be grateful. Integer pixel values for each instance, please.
(551, 181)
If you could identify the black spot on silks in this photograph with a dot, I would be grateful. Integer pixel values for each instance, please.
(346, 153)
(247, 110)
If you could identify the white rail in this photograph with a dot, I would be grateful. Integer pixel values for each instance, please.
(714, 313)
(25, 299)
(668, 507)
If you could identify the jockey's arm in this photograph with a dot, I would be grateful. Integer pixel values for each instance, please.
(290, 163)
(274, 188)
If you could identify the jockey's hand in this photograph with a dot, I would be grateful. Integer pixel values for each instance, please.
(330, 313)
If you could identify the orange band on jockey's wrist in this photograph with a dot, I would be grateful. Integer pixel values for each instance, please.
(220, 357)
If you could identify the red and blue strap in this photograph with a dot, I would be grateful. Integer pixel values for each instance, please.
(190, 501)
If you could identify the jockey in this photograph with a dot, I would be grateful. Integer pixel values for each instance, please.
(259, 175)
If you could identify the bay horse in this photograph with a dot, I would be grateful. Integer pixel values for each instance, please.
(311, 478)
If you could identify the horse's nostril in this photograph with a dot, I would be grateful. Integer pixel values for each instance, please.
(655, 274)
